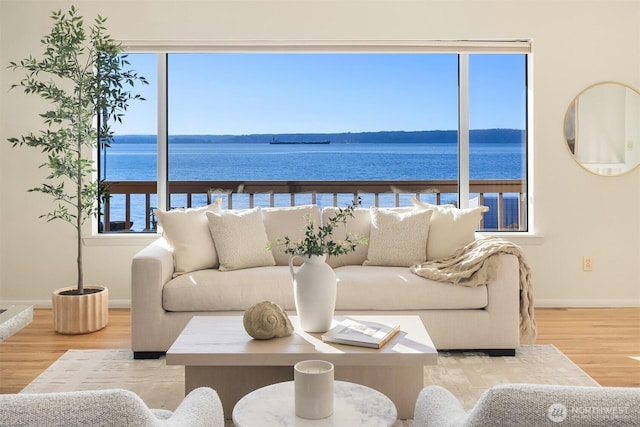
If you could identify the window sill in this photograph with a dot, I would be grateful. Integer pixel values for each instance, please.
(519, 238)
(121, 239)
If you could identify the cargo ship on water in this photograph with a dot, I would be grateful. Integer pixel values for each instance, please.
(275, 141)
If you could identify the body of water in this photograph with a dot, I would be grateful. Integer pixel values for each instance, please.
(136, 160)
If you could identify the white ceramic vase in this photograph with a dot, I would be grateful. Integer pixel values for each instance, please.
(314, 290)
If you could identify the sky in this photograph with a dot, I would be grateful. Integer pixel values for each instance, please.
(256, 93)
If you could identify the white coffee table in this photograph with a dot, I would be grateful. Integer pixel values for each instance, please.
(217, 352)
(354, 405)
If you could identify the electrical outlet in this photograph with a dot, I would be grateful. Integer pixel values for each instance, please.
(587, 263)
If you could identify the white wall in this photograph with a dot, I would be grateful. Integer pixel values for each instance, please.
(575, 44)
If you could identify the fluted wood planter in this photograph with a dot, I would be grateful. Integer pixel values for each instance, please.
(80, 314)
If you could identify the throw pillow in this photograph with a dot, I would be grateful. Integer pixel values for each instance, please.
(360, 225)
(240, 239)
(187, 232)
(451, 228)
(398, 239)
(288, 221)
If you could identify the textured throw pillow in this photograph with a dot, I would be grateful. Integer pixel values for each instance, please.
(240, 239)
(359, 225)
(451, 228)
(187, 232)
(398, 239)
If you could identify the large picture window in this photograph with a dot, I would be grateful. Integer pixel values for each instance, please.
(451, 125)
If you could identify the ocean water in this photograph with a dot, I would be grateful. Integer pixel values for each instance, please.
(134, 159)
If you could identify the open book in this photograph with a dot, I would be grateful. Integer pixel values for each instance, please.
(361, 333)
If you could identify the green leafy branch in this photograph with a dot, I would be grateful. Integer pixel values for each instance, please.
(83, 74)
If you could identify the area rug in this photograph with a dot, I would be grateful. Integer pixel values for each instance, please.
(465, 374)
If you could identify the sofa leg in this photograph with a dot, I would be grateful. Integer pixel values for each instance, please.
(148, 354)
(502, 352)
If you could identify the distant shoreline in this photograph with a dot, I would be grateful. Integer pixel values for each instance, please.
(517, 136)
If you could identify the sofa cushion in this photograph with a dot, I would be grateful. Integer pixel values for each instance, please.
(288, 221)
(451, 228)
(398, 238)
(396, 288)
(187, 232)
(214, 290)
(240, 239)
(359, 288)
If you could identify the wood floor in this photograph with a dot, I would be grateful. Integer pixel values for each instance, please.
(605, 343)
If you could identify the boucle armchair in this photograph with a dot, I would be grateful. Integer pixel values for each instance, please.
(114, 407)
(532, 405)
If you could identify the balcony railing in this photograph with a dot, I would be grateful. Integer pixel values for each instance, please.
(136, 199)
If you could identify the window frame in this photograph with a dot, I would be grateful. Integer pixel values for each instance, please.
(462, 48)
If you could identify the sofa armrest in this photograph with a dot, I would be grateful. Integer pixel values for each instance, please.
(156, 257)
(151, 268)
(436, 406)
(117, 407)
(538, 404)
(201, 407)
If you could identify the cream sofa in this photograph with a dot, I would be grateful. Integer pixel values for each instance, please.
(212, 262)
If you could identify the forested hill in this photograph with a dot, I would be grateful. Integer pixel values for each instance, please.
(401, 137)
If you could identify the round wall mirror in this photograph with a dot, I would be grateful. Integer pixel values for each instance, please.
(602, 128)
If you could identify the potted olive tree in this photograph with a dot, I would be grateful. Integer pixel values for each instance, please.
(86, 80)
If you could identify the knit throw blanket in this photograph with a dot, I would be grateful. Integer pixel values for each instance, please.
(475, 265)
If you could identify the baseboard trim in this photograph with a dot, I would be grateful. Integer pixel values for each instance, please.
(539, 302)
(42, 303)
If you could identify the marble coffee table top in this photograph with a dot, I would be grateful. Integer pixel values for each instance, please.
(354, 405)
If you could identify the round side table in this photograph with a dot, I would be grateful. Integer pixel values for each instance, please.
(354, 405)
